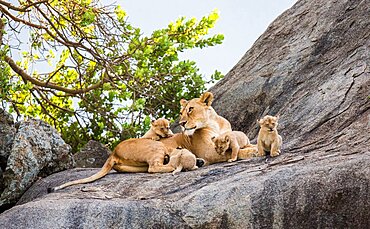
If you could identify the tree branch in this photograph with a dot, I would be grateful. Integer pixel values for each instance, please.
(20, 9)
(14, 18)
(51, 103)
(39, 83)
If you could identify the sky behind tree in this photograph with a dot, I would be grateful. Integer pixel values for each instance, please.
(241, 21)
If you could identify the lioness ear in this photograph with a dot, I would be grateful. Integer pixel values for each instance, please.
(206, 98)
(183, 102)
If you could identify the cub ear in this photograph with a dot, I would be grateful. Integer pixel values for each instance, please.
(277, 117)
(206, 98)
(227, 138)
(213, 138)
(183, 102)
(260, 121)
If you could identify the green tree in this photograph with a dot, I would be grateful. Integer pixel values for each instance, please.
(87, 71)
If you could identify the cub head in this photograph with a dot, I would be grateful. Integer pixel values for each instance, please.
(222, 143)
(195, 114)
(161, 127)
(268, 123)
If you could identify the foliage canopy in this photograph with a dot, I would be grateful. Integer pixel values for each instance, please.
(90, 73)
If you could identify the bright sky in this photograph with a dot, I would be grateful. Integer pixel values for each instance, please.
(241, 21)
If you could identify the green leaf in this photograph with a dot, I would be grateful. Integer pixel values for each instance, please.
(87, 18)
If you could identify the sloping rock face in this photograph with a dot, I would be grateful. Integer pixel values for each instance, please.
(312, 67)
(311, 191)
(92, 155)
(37, 151)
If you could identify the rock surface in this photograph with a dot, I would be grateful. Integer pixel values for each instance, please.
(37, 151)
(290, 191)
(312, 67)
(7, 132)
(2, 187)
(92, 155)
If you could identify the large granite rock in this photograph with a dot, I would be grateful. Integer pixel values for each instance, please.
(2, 187)
(92, 155)
(290, 191)
(312, 67)
(7, 132)
(37, 151)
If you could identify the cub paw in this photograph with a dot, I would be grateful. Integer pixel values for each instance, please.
(275, 154)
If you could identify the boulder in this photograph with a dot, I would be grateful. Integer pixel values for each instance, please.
(290, 191)
(1, 181)
(7, 132)
(37, 151)
(92, 155)
(311, 66)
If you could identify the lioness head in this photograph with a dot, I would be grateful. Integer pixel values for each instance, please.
(195, 113)
(161, 127)
(268, 123)
(222, 143)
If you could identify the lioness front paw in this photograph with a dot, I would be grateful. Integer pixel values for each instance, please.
(231, 160)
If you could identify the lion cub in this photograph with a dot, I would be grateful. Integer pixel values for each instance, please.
(182, 159)
(233, 140)
(159, 128)
(268, 138)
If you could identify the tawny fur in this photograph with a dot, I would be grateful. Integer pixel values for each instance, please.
(132, 155)
(182, 159)
(200, 123)
(268, 138)
(231, 140)
(159, 128)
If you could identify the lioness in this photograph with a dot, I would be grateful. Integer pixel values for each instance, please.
(159, 128)
(233, 140)
(200, 123)
(182, 159)
(268, 139)
(132, 155)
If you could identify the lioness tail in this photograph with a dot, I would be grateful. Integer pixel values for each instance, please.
(107, 167)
